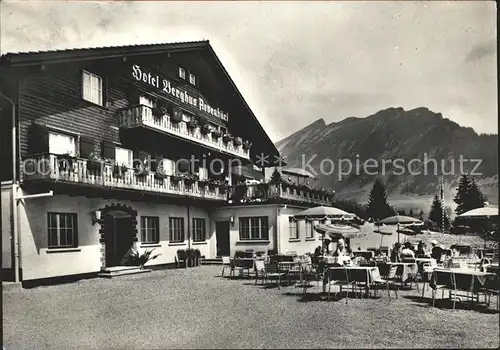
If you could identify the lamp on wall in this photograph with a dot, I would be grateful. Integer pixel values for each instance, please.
(231, 220)
(96, 217)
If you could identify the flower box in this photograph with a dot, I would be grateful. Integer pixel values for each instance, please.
(193, 124)
(206, 129)
(94, 165)
(176, 116)
(160, 174)
(227, 138)
(247, 144)
(119, 170)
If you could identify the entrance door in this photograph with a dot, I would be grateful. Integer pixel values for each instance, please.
(118, 238)
(222, 237)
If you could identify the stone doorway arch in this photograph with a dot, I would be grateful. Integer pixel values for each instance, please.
(112, 210)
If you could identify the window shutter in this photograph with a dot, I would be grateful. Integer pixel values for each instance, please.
(132, 95)
(108, 150)
(86, 146)
(38, 139)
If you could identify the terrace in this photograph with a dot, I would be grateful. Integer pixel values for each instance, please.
(272, 192)
(141, 116)
(51, 167)
(195, 308)
(81, 171)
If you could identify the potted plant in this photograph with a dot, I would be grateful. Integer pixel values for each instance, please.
(176, 116)
(216, 133)
(190, 178)
(192, 124)
(65, 161)
(247, 144)
(238, 141)
(205, 129)
(159, 109)
(119, 170)
(227, 138)
(94, 162)
(134, 258)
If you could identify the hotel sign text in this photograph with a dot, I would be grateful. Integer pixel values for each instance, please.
(166, 86)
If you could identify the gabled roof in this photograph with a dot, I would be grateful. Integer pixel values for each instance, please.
(20, 59)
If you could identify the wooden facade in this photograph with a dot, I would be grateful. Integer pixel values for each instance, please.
(202, 116)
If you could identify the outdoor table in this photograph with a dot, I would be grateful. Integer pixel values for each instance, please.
(421, 261)
(465, 279)
(362, 274)
(244, 263)
(407, 271)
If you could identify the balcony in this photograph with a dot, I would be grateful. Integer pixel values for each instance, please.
(51, 167)
(278, 192)
(142, 116)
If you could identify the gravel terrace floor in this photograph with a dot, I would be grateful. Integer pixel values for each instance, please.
(195, 308)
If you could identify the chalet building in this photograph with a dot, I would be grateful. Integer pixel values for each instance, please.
(145, 146)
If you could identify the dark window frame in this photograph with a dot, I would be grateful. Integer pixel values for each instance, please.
(172, 228)
(154, 229)
(58, 228)
(254, 228)
(199, 229)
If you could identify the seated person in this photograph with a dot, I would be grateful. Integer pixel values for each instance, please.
(420, 249)
(395, 254)
(326, 245)
(342, 255)
(317, 251)
(436, 252)
(407, 252)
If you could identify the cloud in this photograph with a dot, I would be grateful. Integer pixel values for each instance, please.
(481, 50)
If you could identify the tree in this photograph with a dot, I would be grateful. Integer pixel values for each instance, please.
(401, 212)
(276, 176)
(436, 213)
(411, 213)
(378, 207)
(468, 196)
(421, 215)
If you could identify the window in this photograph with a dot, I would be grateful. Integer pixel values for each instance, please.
(176, 228)
(186, 117)
(62, 229)
(256, 228)
(182, 73)
(199, 230)
(146, 106)
(150, 229)
(92, 88)
(293, 228)
(62, 144)
(309, 229)
(192, 78)
(167, 166)
(124, 156)
(203, 173)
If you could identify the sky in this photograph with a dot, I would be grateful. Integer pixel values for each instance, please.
(296, 62)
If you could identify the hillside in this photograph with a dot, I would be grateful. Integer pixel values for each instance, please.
(389, 135)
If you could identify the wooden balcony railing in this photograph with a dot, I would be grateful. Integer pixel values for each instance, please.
(141, 115)
(82, 171)
(277, 191)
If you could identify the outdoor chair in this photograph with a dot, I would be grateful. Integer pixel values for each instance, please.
(339, 276)
(181, 258)
(241, 266)
(390, 280)
(424, 276)
(311, 273)
(492, 287)
(198, 258)
(190, 257)
(444, 279)
(268, 271)
(226, 263)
